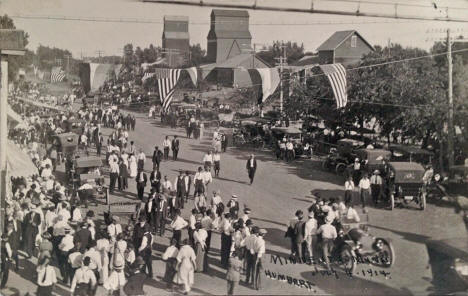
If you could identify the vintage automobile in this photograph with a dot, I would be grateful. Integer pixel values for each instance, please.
(456, 183)
(448, 258)
(356, 245)
(74, 126)
(249, 133)
(342, 155)
(66, 143)
(411, 154)
(84, 171)
(292, 133)
(404, 184)
(373, 159)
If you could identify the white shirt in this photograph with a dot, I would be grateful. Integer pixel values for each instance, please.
(83, 275)
(349, 185)
(179, 223)
(141, 156)
(46, 276)
(200, 236)
(114, 229)
(328, 231)
(289, 146)
(167, 185)
(310, 227)
(216, 157)
(65, 214)
(208, 158)
(96, 260)
(364, 183)
(259, 246)
(351, 214)
(67, 243)
(207, 178)
(46, 173)
(171, 252)
(167, 143)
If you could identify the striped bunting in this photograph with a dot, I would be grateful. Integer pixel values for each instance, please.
(159, 73)
(166, 86)
(336, 74)
(57, 75)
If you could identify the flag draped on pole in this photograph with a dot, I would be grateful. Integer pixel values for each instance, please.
(166, 85)
(57, 75)
(336, 74)
(265, 81)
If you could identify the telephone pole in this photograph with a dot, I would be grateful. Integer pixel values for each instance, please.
(282, 62)
(99, 52)
(450, 102)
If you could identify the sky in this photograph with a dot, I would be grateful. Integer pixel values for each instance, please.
(88, 37)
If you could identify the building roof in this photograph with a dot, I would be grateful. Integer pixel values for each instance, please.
(229, 34)
(307, 60)
(176, 35)
(238, 60)
(177, 18)
(338, 38)
(226, 12)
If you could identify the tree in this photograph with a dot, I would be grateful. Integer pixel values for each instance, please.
(197, 55)
(294, 52)
(128, 55)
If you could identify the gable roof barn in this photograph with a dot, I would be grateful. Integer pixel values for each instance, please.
(338, 38)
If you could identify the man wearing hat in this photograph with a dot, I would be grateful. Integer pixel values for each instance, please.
(245, 217)
(187, 184)
(139, 231)
(258, 252)
(84, 281)
(364, 190)
(329, 234)
(32, 221)
(65, 246)
(310, 234)
(376, 186)
(356, 170)
(251, 167)
(157, 156)
(248, 243)
(145, 250)
(134, 285)
(82, 237)
(141, 180)
(233, 206)
(161, 214)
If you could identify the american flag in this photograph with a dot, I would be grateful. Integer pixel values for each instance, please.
(167, 80)
(57, 75)
(159, 73)
(336, 74)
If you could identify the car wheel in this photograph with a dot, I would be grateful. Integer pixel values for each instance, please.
(340, 169)
(422, 201)
(325, 164)
(392, 202)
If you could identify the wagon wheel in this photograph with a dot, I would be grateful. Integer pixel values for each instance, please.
(392, 202)
(422, 201)
(340, 169)
(324, 164)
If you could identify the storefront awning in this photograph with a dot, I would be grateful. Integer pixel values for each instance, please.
(19, 163)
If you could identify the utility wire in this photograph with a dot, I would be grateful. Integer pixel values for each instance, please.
(159, 21)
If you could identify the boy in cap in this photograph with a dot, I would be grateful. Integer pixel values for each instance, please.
(329, 234)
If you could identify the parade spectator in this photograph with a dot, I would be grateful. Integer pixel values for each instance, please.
(170, 257)
(233, 273)
(6, 256)
(186, 262)
(175, 145)
(364, 190)
(46, 277)
(136, 281)
(84, 281)
(310, 234)
(145, 250)
(157, 156)
(166, 147)
(208, 160)
(251, 167)
(217, 162)
(376, 186)
(349, 188)
(155, 179)
(329, 234)
(258, 252)
(199, 236)
(141, 179)
(177, 224)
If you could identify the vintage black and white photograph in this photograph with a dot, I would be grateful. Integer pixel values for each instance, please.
(233, 147)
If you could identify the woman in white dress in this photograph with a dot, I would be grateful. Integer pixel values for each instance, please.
(133, 166)
(185, 266)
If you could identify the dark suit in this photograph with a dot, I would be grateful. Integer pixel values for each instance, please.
(81, 238)
(161, 214)
(155, 180)
(157, 156)
(138, 233)
(151, 212)
(141, 184)
(251, 169)
(175, 148)
(180, 189)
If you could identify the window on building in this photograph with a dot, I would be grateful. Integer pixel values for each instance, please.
(353, 40)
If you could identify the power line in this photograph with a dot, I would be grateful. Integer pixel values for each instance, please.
(159, 21)
(312, 10)
(399, 4)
